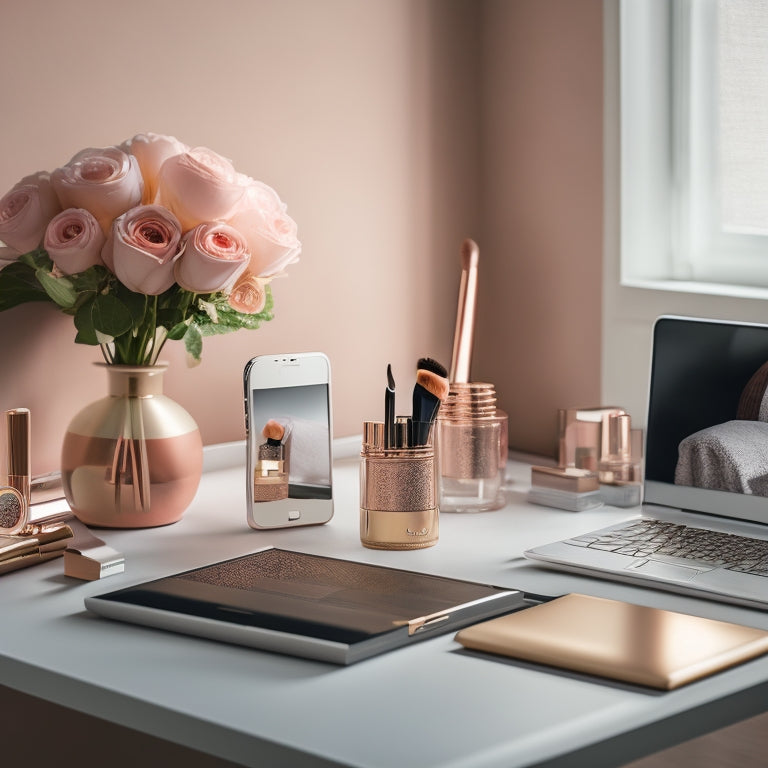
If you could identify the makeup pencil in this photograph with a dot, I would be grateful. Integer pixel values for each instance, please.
(389, 411)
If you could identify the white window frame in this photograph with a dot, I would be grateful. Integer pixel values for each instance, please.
(670, 233)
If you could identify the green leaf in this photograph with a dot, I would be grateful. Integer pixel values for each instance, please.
(178, 331)
(37, 259)
(18, 285)
(136, 303)
(193, 341)
(60, 289)
(86, 333)
(110, 316)
(93, 279)
(170, 318)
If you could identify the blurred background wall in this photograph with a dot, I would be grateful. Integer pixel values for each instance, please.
(392, 129)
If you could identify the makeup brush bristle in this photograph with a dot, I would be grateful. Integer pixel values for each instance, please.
(433, 383)
(428, 364)
(273, 430)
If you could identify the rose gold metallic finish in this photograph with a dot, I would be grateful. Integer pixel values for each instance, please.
(132, 459)
(472, 442)
(23, 550)
(465, 317)
(270, 480)
(12, 517)
(470, 432)
(398, 498)
(17, 422)
(617, 464)
(580, 441)
(637, 644)
(373, 435)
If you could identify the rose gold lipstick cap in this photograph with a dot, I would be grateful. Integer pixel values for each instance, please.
(17, 422)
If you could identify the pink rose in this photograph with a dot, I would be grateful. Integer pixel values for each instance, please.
(270, 233)
(249, 294)
(198, 186)
(213, 255)
(74, 240)
(142, 249)
(25, 212)
(107, 182)
(152, 150)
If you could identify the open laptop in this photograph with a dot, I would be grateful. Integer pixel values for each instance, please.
(703, 528)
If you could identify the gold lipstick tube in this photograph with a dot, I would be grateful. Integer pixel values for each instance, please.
(17, 422)
(398, 494)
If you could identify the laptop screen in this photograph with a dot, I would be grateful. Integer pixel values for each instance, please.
(707, 429)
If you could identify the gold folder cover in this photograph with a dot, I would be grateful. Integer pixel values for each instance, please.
(633, 643)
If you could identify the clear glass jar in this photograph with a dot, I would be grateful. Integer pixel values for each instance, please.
(472, 447)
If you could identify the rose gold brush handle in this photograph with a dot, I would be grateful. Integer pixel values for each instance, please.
(465, 316)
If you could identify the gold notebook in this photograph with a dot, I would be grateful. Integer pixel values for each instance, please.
(632, 643)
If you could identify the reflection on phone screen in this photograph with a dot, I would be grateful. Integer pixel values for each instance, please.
(291, 443)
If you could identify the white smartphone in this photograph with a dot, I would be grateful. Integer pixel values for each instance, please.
(289, 429)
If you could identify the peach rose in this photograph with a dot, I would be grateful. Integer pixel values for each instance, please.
(198, 186)
(152, 150)
(107, 182)
(213, 255)
(74, 240)
(25, 212)
(270, 233)
(249, 294)
(142, 249)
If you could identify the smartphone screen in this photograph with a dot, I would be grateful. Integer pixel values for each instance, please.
(289, 440)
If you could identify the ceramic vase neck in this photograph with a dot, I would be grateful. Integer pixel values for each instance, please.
(136, 380)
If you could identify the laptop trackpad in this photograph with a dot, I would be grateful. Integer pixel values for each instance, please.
(663, 570)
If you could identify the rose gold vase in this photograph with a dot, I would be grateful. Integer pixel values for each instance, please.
(132, 459)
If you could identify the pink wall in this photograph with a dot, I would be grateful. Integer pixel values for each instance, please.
(540, 289)
(392, 129)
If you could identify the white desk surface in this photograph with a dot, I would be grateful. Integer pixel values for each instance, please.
(431, 704)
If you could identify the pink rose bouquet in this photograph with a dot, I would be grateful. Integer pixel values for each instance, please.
(144, 242)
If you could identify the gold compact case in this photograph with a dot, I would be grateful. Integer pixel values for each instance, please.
(13, 511)
(398, 494)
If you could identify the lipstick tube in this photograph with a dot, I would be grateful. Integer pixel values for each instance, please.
(17, 423)
(398, 494)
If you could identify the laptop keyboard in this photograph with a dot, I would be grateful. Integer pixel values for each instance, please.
(661, 540)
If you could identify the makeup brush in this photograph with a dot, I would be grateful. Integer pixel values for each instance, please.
(465, 316)
(430, 390)
(274, 431)
(389, 410)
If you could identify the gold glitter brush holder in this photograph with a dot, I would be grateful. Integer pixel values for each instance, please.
(472, 441)
(398, 493)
